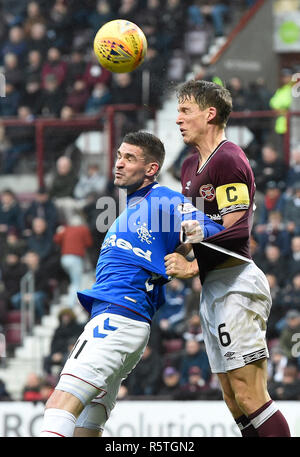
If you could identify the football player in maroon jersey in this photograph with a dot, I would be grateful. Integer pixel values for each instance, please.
(235, 300)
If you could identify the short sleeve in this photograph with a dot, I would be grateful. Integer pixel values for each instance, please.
(230, 178)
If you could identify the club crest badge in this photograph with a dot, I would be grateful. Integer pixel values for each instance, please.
(207, 192)
(144, 234)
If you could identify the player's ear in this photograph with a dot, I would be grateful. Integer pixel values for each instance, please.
(211, 114)
(152, 169)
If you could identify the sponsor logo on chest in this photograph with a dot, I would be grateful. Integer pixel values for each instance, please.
(113, 241)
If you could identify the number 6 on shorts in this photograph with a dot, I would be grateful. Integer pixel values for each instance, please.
(224, 337)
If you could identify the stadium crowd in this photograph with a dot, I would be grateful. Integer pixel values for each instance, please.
(45, 54)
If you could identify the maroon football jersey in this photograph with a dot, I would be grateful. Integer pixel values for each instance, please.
(223, 184)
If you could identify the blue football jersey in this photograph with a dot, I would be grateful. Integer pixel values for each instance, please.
(130, 272)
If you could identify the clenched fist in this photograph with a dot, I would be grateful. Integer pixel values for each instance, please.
(191, 232)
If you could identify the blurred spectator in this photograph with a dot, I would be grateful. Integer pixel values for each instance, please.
(155, 65)
(195, 355)
(4, 394)
(15, 43)
(192, 328)
(171, 314)
(278, 307)
(274, 232)
(31, 390)
(92, 214)
(60, 25)
(13, 244)
(90, 182)
(12, 270)
(196, 388)
(78, 96)
(33, 15)
(64, 180)
(274, 200)
(41, 239)
(276, 364)
(33, 68)
(292, 327)
(41, 294)
(31, 95)
(13, 11)
(258, 98)
(99, 98)
(192, 299)
(13, 72)
(291, 295)
(125, 92)
(11, 214)
(52, 97)
(293, 174)
(269, 264)
(292, 209)
(74, 239)
(289, 387)
(94, 73)
(128, 9)
(76, 67)
(22, 140)
(200, 10)
(100, 15)
(145, 379)
(62, 143)
(239, 96)
(282, 99)
(269, 168)
(56, 66)
(170, 388)
(38, 41)
(294, 259)
(64, 336)
(63, 185)
(9, 104)
(172, 26)
(43, 207)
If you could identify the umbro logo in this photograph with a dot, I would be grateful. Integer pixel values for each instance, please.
(188, 185)
(229, 355)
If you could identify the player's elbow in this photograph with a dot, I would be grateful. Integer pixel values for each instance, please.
(231, 218)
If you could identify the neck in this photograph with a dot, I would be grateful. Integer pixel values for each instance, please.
(146, 182)
(209, 143)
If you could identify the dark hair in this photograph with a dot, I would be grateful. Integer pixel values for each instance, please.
(207, 94)
(153, 148)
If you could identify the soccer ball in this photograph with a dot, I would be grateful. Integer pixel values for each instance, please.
(120, 46)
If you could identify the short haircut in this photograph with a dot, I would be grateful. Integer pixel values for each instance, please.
(153, 149)
(208, 94)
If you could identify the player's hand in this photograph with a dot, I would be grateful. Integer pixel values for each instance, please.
(178, 267)
(191, 232)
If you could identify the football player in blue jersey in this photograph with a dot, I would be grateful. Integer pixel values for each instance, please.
(128, 290)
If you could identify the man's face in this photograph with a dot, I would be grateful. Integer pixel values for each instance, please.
(130, 167)
(191, 120)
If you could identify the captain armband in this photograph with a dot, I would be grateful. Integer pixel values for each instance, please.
(232, 197)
